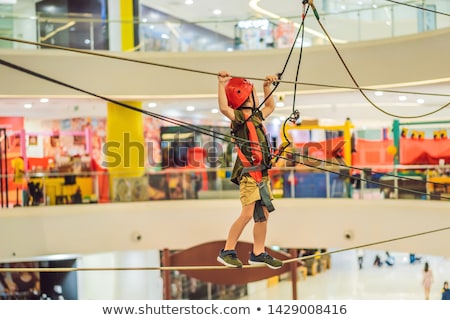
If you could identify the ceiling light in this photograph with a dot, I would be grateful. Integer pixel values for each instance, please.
(217, 12)
(280, 104)
(402, 98)
(420, 101)
(188, 2)
(214, 110)
(28, 106)
(43, 100)
(190, 108)
(151, 105)
(378, 93)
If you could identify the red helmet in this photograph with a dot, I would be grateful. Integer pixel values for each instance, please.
(237, 91)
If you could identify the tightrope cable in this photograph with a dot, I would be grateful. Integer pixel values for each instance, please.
(215, 267)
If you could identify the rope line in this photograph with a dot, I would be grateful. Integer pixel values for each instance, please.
(110, 56)
(367, 245)
(419, 7)
(212, 133)
(380, 184)
(356, 83)
(280, 75)
(295, 115)
(204, 131)
(218, 267)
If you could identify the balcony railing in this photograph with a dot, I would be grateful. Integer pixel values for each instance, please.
(398, 182)
(90, 32)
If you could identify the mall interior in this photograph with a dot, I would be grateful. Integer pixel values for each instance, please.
(116, 161)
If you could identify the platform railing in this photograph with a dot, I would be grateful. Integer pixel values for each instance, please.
(422, 182)
(90, 32)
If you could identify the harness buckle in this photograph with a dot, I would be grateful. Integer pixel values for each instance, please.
(260, 184)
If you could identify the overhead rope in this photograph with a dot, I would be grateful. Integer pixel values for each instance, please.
(280, 74)
(294, 116)
(423, 8)
(135, 109)
(382, 6)
(316, 14)
(152, 114)
(189, 126)
(218, 267)
(294, 119)
(161, 65)
(378, 183)
(201, 130)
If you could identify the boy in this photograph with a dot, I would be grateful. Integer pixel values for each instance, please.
(238, 102)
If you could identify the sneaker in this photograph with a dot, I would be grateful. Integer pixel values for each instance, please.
(229, 258)
(265, 258)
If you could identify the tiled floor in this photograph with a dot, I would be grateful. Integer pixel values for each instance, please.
(344, 281)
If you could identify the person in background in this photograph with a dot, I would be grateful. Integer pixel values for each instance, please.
(360, 255)
(445, 292)
(427, 280)
(389, 259)
(413, 258)
(377, 262)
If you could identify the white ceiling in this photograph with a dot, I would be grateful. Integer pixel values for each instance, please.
(330, 108)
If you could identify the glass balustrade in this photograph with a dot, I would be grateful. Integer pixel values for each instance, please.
(425, 182)
(156, 31)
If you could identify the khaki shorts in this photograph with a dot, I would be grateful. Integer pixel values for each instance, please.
(249, 190)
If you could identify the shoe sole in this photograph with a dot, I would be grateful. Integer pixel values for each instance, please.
(227, 264)
(263, 263)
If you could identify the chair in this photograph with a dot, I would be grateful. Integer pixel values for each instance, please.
(62, 198)
(35, 190)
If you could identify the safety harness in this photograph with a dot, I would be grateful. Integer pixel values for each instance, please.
(255, 167)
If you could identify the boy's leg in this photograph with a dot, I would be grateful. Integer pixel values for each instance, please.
(238, 226)
(259, 234)
(259, 255)
(228, 255)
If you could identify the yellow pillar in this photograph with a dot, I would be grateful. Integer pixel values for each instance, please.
(124, 150)
(127, 18)
(347, 139)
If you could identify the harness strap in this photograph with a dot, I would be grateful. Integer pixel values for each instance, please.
(254, 167)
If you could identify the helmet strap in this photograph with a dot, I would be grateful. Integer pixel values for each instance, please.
(253, 99)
